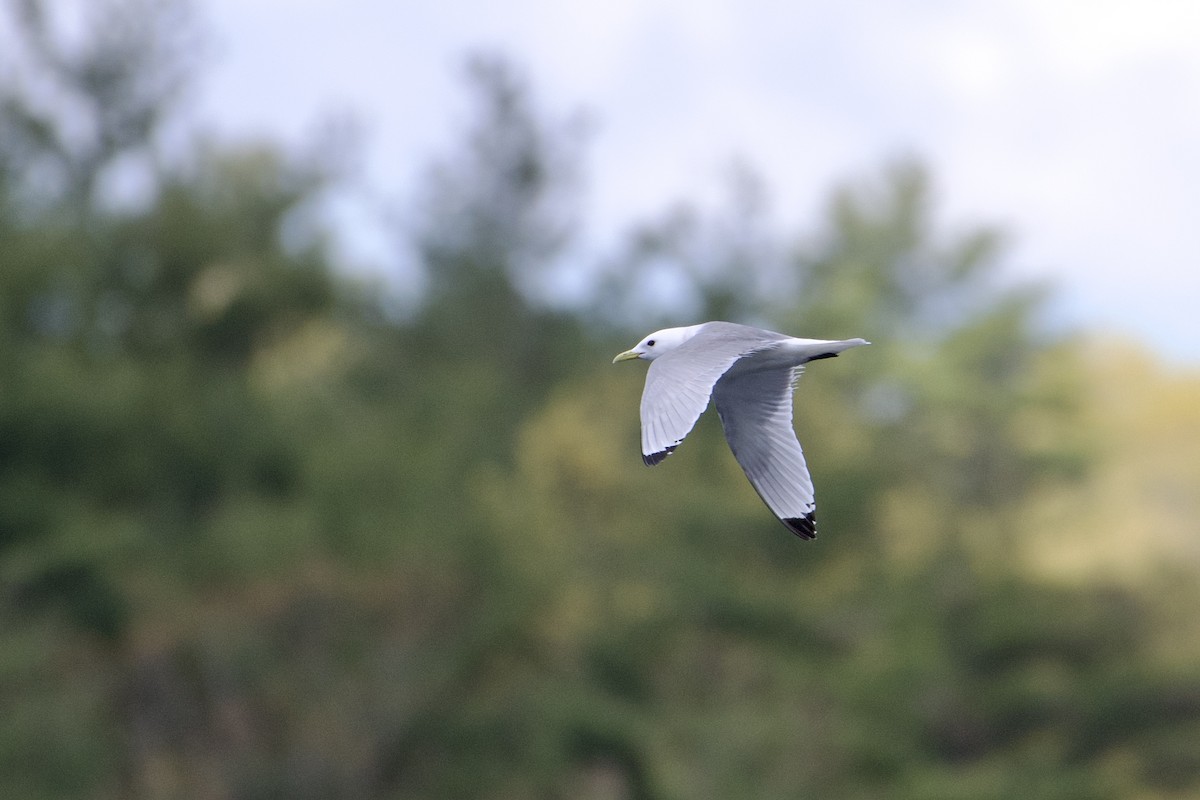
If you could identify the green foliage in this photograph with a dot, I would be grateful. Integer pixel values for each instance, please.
(85, 102)
(258, 538)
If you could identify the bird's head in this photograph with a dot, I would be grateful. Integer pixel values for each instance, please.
(658, 343)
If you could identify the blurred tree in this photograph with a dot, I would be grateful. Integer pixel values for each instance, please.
(698, 262)
(714, 658)
(968, 401)
(260, 538)
(1135, 517)
(137, 457)
(83, 102)
(494, 217)
(497, 213)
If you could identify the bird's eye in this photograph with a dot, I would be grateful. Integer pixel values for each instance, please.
(650, 343)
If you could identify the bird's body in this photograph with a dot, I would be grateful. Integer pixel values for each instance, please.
(749, 374)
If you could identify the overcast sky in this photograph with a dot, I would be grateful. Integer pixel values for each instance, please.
(1073, 125)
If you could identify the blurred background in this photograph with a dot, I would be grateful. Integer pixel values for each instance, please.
(316, 480)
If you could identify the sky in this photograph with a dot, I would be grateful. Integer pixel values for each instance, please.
(1074, 126)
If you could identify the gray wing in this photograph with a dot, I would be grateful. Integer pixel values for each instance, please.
(678, 384)
(756, 413)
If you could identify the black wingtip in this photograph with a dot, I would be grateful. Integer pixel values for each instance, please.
(805, 527)
(656, 458)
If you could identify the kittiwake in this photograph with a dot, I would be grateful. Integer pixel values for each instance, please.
(750, 375)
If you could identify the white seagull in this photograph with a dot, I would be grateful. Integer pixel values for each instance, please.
(750, 375)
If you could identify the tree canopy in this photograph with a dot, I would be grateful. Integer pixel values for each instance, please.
(260, 536)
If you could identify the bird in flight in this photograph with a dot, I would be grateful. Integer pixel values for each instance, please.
(750, 375)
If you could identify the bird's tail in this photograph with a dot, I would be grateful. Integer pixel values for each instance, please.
(814, 349)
